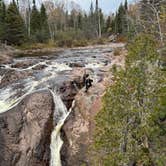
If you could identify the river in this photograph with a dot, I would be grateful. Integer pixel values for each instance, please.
(29, 74)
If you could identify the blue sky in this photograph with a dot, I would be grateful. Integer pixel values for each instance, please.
(106, 5)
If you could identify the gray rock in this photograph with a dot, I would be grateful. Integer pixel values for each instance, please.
(76, 64)
(13, 76)
(25, 131)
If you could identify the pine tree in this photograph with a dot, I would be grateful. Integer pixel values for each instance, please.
(15, 27)
(120, 19)
(80, 20)
(91, 9)
(91, 27)
(98, 21)
(35, 21)
(2, 19)
(131, 126)
(108, 24)
(121, 23)
(126, 21)
(44, 34)
(126, 5)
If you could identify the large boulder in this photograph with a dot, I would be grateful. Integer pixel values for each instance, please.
(76, 64)
(24, 64)
(71, 86)
(25, 131)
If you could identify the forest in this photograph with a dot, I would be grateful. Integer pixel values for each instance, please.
(62, 22)
(51, 21)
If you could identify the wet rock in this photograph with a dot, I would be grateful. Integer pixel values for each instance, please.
(23, 64)
(13, 76)
(70, 88)
(39, 67)
(25, 131)
(76, 64)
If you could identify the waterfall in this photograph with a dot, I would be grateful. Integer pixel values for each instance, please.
(60, 115)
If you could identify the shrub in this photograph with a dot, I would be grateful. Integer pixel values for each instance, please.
(130, 128)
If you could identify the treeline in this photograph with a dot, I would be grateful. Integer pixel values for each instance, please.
(131, 127)
(25, 21)
(148, 16)
(13, 28)
(28, 21)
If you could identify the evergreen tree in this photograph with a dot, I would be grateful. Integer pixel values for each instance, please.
(2, 19)
(90, 23)
(15, 27)
(35, 22)
(131, 126)
(120, 19)
(126, 21)
(44, 34)
(91, 9)
(126, 5)
(121, 23)
(72, 19)
(43, 17)
(80, 21)
(102, 21)
(108, 24)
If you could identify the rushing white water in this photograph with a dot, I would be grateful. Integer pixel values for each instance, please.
(8, 96)
(60, 115)
(94, 65)
(35, 73)
(47, 72)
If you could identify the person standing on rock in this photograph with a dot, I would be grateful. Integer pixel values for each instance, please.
(88, 82)
(85, 76)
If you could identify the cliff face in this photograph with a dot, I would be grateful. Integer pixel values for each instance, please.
(79, 128)
(25, 131)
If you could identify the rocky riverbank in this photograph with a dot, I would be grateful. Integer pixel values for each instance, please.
(27, 121)
(7, 53)
(79, 129)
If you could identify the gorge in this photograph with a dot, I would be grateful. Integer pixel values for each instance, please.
(46, 118)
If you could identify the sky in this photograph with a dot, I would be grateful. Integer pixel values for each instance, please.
(107, 6)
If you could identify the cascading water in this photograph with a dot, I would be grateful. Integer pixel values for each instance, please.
(60, 115)
(42, 73)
